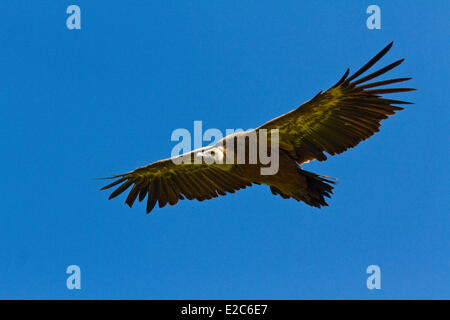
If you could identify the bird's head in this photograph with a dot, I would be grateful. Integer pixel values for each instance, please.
(210, 155)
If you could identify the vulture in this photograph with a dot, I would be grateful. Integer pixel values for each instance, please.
(330, 123)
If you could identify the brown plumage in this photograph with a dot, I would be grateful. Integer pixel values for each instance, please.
(332, 122)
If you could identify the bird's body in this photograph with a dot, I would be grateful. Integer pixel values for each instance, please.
(331, 122)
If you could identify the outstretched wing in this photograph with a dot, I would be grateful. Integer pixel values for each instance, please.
(339, 118)
(166, 183)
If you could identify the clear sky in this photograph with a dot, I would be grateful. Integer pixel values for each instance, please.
(80, 104)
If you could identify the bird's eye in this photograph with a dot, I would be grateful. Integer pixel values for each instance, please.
(213, 153)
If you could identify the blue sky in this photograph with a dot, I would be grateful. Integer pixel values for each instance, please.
(80, 104)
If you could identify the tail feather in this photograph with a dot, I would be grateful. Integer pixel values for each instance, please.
(318, 187)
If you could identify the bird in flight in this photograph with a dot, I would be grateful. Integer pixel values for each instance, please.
(331, 122)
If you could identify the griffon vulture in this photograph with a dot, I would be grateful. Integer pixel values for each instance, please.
(331, 122)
